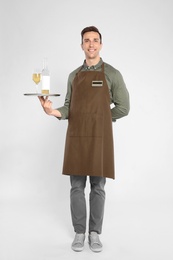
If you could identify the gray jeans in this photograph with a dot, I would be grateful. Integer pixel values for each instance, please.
(96, 203)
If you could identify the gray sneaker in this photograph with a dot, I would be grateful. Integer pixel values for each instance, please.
(78, 242)
(94, 242)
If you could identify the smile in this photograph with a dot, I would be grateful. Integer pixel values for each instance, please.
(91, 50)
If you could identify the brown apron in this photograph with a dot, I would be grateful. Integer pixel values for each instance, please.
(89, 140)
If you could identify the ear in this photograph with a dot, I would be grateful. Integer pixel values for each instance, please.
(81, 46)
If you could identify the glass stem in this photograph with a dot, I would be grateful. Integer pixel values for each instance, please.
(37, 88)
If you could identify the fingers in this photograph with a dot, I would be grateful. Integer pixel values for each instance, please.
(47, 103)
(43, 100)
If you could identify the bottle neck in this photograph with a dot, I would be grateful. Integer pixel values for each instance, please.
(45, 64)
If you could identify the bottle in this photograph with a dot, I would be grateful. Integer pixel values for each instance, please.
(45, 78)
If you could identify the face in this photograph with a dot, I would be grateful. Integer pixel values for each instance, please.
(91, 45)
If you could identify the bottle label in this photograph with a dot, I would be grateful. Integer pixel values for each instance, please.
(45, 82)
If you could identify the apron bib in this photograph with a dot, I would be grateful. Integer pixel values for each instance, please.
(89, 139)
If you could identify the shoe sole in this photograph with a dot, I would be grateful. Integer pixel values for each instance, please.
(77, 249)
(95, 250)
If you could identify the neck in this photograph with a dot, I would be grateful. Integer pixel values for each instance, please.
(92, 62)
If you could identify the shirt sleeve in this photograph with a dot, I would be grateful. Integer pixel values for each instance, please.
(120, 96)
(64, 110)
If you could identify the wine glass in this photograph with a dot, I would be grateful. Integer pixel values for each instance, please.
(36, 76)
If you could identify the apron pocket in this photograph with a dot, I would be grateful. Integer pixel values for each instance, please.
(86, 125)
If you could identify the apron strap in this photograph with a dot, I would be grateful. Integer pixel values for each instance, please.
(79, 70)
(102, 67)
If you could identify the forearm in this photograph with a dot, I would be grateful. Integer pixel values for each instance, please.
(120, 98)
(55, 113)
(122, 105)
(120, 111)
(64, 111)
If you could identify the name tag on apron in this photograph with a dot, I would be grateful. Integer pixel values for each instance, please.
(97, 83)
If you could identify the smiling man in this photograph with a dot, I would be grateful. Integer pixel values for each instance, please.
(91, 89)
(91, 45)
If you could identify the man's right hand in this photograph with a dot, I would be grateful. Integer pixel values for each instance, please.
(47, 107)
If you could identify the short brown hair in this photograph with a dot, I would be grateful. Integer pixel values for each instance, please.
(91, 29)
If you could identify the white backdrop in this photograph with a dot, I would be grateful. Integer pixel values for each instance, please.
(137, 40)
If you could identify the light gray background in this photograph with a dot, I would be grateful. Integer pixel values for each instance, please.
(35, 218)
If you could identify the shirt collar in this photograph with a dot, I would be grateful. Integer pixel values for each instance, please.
(98, 65)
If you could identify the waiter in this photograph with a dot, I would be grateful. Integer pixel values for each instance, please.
(92, 88)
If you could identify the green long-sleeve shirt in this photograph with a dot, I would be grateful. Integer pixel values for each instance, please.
(118, 92)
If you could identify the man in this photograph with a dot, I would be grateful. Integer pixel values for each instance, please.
(89, 142)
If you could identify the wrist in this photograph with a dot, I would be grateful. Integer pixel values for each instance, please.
(55, 113)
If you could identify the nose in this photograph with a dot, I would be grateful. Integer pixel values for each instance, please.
(91, 43)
